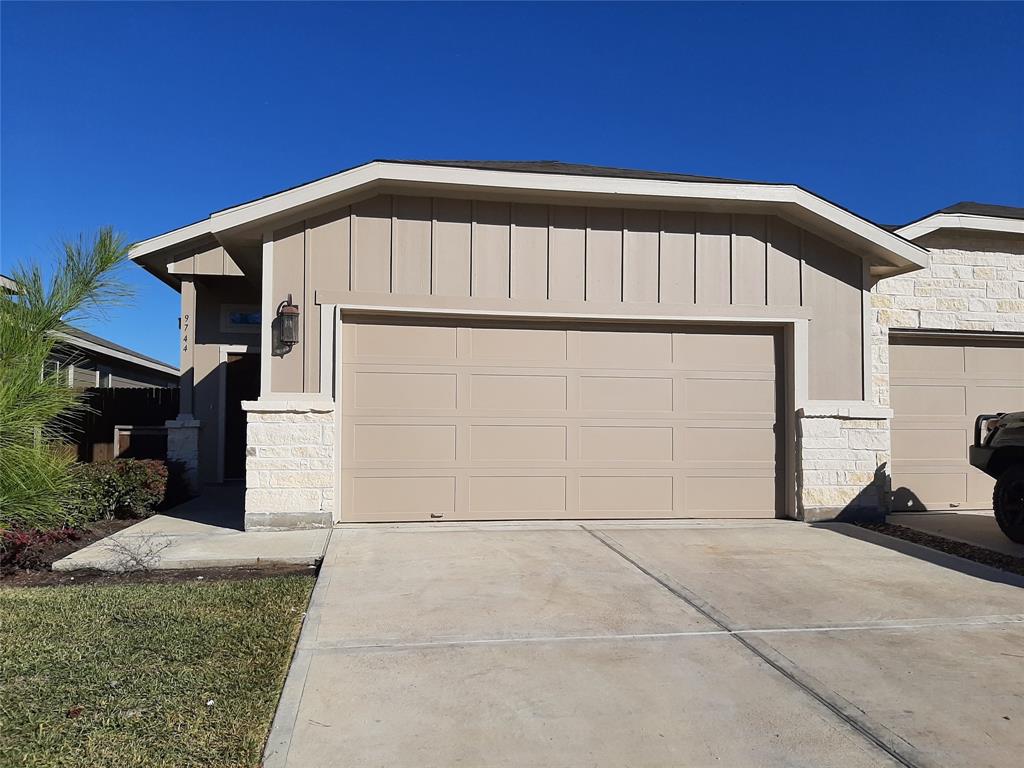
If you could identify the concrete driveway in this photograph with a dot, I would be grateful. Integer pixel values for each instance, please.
(663, 644)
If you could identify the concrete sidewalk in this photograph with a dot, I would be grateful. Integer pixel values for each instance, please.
(767, 643)
(202, 533)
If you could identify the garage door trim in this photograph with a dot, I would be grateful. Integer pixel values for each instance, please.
(780, 328)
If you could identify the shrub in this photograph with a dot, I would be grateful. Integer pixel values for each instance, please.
(121, 488)
(24, 549)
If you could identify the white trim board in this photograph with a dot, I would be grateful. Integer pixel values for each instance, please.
(968, 221)
(873, 240)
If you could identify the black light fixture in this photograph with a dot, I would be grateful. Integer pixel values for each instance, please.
(288, 315)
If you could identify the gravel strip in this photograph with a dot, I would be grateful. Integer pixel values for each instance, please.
(1003, 562)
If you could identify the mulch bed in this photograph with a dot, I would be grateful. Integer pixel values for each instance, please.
(23, 578)
(45, 554)
(976, 554)
(42, 554)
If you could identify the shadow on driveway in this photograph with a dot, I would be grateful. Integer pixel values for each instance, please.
(934, 556)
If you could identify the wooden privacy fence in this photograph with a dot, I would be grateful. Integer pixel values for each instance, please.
(125, 422)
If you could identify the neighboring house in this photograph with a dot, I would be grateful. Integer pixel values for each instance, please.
(506, 340)
(91, 361)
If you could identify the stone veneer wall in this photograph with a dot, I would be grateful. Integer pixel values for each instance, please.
(183, 447)
(973, 282)
(842, 467)
(289, 465)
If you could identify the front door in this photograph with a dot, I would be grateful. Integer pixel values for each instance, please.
(242, 382)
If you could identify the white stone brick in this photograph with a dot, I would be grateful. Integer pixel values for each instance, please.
(819, 427)
(300, 479)
(282, 500)
(283, 434)
(870, 439)
(938, 319)
(1002, 290)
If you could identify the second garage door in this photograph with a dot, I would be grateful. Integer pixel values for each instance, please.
(447, 421)
(939, 386)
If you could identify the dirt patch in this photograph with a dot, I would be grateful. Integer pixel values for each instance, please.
(976, 554)
(102, 578)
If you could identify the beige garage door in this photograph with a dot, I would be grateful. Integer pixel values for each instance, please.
(489, 422)
(938, 387)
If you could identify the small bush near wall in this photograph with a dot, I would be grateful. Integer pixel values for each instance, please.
(124, 488)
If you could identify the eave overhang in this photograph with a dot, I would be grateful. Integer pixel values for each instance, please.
(886, 253)
(937, 221)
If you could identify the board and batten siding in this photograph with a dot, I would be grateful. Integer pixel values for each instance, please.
(571, 258)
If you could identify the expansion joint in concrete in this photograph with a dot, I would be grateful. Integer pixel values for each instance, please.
(896, 747)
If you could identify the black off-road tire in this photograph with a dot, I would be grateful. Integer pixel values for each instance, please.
(1008, 502)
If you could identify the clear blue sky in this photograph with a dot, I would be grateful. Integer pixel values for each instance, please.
(151, 116)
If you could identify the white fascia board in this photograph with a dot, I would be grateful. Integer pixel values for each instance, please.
(890, 247)
(961, 221)
(376, 172)
(74, 341)
(172, 238)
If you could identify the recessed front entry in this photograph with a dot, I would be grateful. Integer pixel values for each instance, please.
(241, 382)
(447, 420)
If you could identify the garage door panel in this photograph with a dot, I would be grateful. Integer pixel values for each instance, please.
(931, 361)
(523, 346)
(517, 392)
(625, 394)
(733, 396)
(935, 400)
(696, 351)
(612, 349)
(938, 388)
(930, 489)
(979, 489)
(404, 342)
(736, 496)
(555, 422)
(995, 362)
(403, 442)
(523, 494)
(518, 442)
(625, 495)
(932, 444)
(621, 443)
(984, 399)
(402, 498)
(718, 443)
(389, 390)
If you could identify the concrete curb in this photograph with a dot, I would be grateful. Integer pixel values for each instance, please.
(921, 552)
(275, 754)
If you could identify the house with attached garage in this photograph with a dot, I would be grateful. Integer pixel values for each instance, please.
(458, 340)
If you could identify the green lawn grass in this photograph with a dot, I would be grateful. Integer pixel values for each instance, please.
(123, 675)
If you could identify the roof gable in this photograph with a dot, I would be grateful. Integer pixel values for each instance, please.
(887, 252)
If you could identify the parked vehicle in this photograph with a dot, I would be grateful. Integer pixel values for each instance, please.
(998, 451)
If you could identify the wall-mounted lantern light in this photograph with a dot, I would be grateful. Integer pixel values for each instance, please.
(288, 315)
